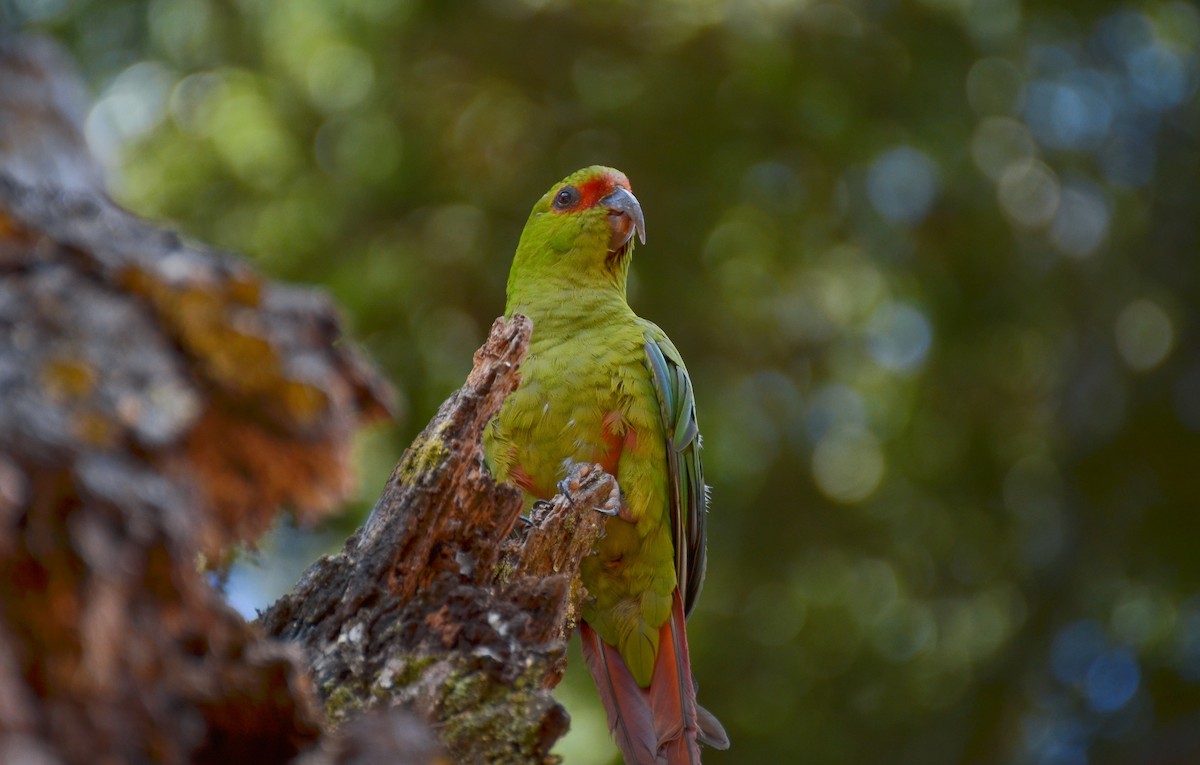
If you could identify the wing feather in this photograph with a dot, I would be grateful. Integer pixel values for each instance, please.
(685, 474)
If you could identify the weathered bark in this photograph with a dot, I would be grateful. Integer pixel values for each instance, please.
(436, 605)
(158, 403)
(157, 400)
(122, 338)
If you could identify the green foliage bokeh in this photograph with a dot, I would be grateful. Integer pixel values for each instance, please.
(933, 266)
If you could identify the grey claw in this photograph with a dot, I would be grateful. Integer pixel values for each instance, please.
(564, 488)
(613, 505)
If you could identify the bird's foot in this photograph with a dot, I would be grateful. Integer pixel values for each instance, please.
(574, 480)
(577, 475)
(613, 504)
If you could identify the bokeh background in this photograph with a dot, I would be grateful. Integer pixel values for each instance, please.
(934, 266)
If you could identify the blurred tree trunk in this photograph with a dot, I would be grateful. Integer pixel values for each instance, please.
(158, 403)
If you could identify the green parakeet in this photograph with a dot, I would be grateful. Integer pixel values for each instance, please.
(600, 385)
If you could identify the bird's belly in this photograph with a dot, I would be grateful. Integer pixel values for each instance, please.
(566, 412)
(555, 443)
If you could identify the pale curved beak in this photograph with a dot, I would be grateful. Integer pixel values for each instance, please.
(625, 216)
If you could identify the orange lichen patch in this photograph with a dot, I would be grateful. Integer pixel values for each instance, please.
(248, 472)
(12, 231)
(95, 430)
(137, 281)
(67, 379)
(205, 319)
(245, 289)
(223, 330)
(304, 403)
(236, 359)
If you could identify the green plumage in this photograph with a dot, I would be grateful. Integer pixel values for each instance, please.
(601, 385)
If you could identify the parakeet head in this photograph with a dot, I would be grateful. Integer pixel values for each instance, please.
(581, 231)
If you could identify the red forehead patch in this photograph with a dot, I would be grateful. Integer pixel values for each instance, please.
(594, 190)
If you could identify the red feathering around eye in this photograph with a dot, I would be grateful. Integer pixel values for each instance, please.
(596, 188)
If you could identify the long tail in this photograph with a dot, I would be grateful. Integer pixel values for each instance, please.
(662, 724)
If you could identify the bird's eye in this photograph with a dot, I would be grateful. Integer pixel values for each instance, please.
(567, 196)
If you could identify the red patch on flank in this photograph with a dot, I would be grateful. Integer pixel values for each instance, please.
(519, 476)
(616, 444)
(630, 439)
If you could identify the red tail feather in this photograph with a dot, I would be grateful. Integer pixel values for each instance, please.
(655, 725)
